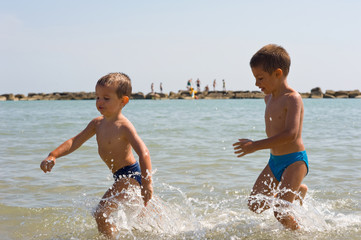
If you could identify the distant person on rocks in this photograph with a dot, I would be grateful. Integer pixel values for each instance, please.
(214, 85)
(152, 87)
(198, 82)
(288, 163)
(116, 137)
(189, 84)
(161, 88)
(224, 85)
(206, 89)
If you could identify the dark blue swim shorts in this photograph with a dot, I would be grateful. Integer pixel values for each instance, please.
(131, 171)
(278, 164)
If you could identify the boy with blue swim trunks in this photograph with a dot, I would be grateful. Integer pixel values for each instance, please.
(116, 137)
(288, 163)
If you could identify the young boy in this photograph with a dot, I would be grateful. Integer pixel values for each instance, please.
(116, 136)
(288, 163)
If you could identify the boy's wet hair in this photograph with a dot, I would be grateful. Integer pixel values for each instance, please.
(120, 80)
(271, 57)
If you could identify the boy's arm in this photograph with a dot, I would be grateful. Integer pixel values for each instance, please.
(289, 134)
(144, 160)
(68, 146)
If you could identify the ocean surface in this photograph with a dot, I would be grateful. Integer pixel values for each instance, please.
(200, 187)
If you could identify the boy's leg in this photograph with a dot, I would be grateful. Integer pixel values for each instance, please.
(301, 193)
(109, 203)
(265, 184)
(289, 185)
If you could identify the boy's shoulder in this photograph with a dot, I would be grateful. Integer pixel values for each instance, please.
(124, 123)
(293, 94)
(126, 127)
(97, 120)
(290, 96)
(293, 98)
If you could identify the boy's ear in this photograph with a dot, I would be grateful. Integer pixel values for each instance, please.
(125, 99)
(278, 72)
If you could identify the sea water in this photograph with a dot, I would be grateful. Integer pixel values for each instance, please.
(201, 188)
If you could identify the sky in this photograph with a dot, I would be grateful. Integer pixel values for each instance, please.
(66, 46)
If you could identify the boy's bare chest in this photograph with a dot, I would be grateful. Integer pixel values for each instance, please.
(275, 112)
(108, 136)
(275, 117)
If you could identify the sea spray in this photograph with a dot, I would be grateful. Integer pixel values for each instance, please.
(173, 214)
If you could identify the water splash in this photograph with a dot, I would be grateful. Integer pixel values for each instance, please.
(177, 214)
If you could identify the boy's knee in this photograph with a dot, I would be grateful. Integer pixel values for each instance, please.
(303, 188)
(102, 219)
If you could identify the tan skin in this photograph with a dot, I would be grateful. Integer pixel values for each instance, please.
(116, 136)
(283, 118)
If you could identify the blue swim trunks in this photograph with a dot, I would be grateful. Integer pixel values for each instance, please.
(131, 171)
(278, 164)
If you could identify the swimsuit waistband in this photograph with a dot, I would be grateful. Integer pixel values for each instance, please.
(289, 155)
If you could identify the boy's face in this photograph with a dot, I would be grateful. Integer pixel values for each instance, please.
(265, 81)
(107, 101)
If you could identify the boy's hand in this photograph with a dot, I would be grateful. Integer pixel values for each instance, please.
(146, 191)
(243, 147)
(47, 164)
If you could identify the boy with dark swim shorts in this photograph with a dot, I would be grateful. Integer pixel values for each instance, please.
(288, 163)
(116, 136)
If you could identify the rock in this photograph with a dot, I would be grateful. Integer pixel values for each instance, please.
(316, 90)
(330, 92)
(184, 95)
(316, 96)
(328, 96)
(354, 93)
(152, 96)
(163, 95)
(341, 94)
(20, 96)
(305, 95)
(54, 96)
(138, 95)
(248, 94)
(3, 98)
(215, 95)
(9, 97)
(173, 95)
(242, 94)
(258, 94)
(316, 93)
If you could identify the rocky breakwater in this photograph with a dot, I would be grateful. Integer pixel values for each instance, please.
(48, 96)
(206, 95)
(315, 93)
